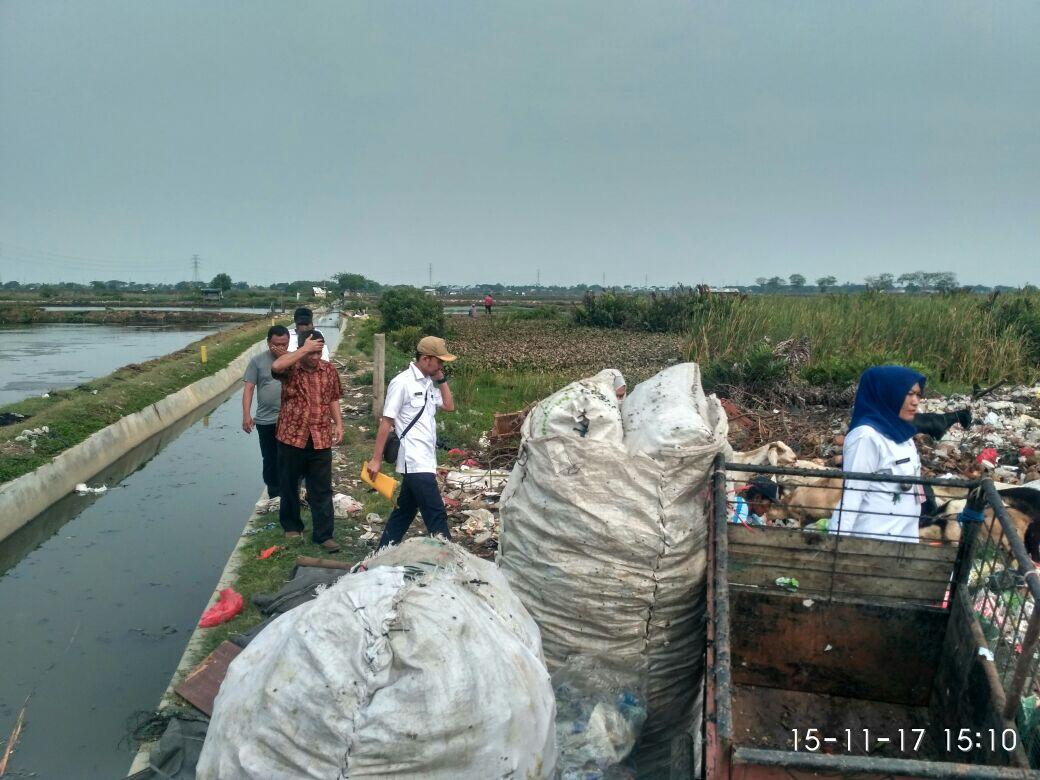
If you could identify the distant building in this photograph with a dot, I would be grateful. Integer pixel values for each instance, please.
(429, 291)
(212, 293)
(320, 293)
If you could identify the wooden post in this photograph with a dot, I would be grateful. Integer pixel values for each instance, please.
(378, 374)
(203, 350)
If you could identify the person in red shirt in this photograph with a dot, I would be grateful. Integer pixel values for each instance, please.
(488, 303)
(309, 426)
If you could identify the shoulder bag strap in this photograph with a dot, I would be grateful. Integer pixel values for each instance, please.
(416, 418)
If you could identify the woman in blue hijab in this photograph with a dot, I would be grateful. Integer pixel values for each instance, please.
(881, 441)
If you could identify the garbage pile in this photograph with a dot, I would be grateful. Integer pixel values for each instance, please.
(1003, 439)
(600, 711)
(604, 532)
(423, 663)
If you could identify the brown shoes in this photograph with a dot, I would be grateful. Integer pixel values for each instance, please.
(329, 545)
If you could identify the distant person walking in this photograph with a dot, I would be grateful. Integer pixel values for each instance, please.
(412, 400)
(268, 392)
(303, 319)
(473, 310)
(309, 425)
(488, 303)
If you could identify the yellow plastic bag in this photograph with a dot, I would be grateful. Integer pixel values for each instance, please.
(383, 485)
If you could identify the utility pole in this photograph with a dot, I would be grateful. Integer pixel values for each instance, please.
(604, 285)
(431, 275)
(538, 278)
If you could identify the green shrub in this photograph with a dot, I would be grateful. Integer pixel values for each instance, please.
(405, 339)
(406, 306)
(756, 369)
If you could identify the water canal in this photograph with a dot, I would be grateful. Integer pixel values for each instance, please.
(41, 357)
(100, 594)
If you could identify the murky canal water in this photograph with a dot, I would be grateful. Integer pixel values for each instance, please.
(38, 358)
(95, 617)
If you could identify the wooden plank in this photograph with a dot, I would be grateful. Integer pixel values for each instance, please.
(842, 566)
(825, 583)
(915, 568)
(200, 687)
(870, 651)
(794, 538)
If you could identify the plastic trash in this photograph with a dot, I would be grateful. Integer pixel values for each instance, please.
(344, 505)
(228, 605)
(600, 711)
(265, 554)
(85, 490)
(988, 455)
(787, 583)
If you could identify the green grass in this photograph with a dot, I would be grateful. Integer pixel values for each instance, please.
(952, 338)
(74, 414)
(958, 338)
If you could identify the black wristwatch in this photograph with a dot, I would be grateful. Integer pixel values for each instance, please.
(440, 382)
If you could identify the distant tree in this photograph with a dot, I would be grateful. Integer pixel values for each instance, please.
(761, 281)
(12, 285)
(912, 281)
(182, 286)
(221, 282)
(879, 282)
(355, 283)
(241, 285)
(797, 281)
(775, 283)
(403, 307)
(46, 291)
(115, 284)
(95, 285)
(826, 281)
(946, 281)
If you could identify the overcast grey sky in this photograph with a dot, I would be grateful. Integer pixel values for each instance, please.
(668, 141)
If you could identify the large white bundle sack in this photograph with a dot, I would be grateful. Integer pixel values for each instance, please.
(605, 542)
(423, 666)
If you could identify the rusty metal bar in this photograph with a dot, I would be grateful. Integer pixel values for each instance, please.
(1018, 547)
(723, 660)
(873, 766)
(850, 475)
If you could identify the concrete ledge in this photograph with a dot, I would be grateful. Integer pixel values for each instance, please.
(24, 498)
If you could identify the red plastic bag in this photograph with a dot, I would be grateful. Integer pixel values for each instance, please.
(265, 554)
(228, 605)
(988, 454)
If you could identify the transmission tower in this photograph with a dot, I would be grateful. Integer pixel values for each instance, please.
(431, 275)
(195, 270)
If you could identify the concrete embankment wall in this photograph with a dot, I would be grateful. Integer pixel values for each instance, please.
(24, 498)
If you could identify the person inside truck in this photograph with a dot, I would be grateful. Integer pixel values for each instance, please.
(881, 441)
(754, 501)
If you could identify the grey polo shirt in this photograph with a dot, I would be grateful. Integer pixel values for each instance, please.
(268, 389)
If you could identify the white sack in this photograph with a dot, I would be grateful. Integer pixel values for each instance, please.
(425, 665)
(606, 546)
(587, 409)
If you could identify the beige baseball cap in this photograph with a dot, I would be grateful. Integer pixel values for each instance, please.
(431, 345)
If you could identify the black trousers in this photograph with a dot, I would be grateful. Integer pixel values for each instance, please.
(315, 466)
(419, 493)
(269, 453)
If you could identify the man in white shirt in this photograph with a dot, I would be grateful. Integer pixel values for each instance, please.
(412, 400)
(303, 319)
